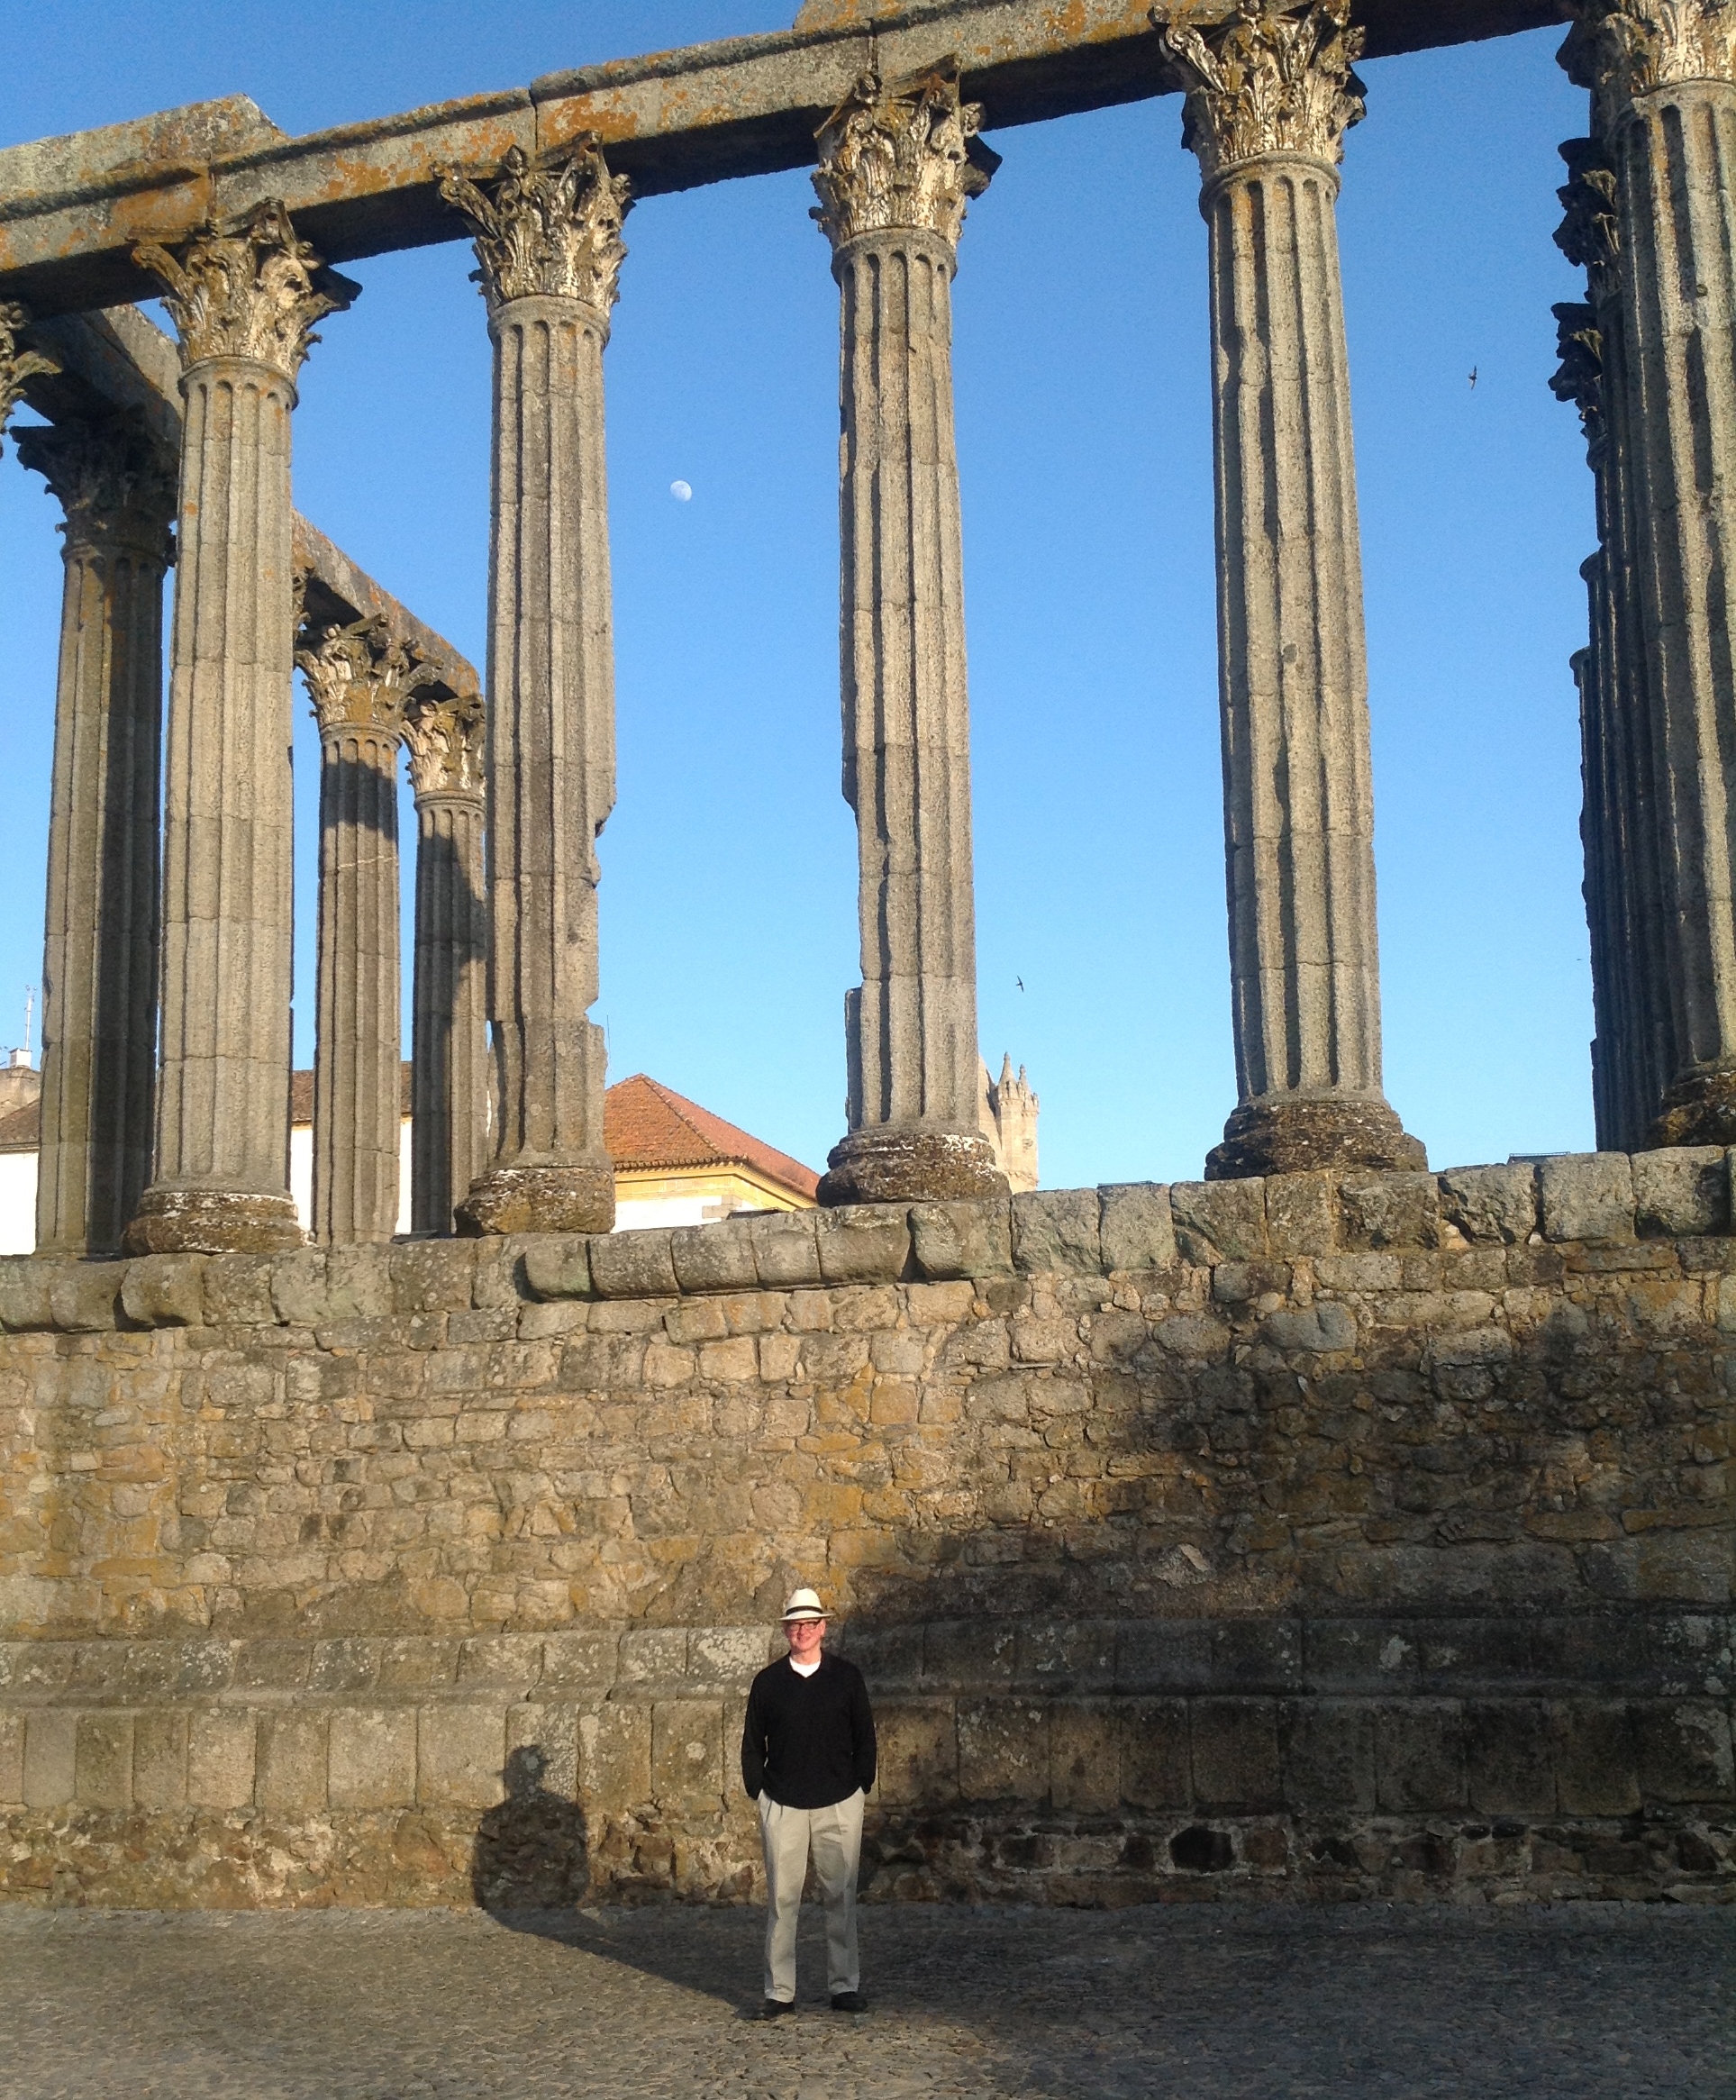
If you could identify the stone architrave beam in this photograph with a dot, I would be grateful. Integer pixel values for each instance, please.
(1663, 87)
(73, 208)
(244, 298)
(1269, 100)
(548, 242)
(897, 163)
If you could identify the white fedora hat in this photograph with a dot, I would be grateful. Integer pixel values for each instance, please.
(803, 1604)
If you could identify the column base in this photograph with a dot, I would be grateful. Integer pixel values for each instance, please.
(213, 1221)
(1699, 1109)
(888, 1165)
(578, 1198)
(1294, 1133)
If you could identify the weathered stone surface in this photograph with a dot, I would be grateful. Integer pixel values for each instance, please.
(243, 297)
(632, 1265)
(1663, 87)
(449, 1033)
(1586, 1195)
(1219, 1220)
(668, 120)
(1135, 1230)
(1679, 1193)
(1207, 1567)
(1269, 96)
(117, 488)
(1492, 1204)
(863, 1243)
(358, 677)
(1057, 1229)
(895, 166)
(165, 1290)
(548, 242)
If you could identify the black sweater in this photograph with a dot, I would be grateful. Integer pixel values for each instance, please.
(808, 1741)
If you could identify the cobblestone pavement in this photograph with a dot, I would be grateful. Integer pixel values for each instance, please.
(1257, 2003)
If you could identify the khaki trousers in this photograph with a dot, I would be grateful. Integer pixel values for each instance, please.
(834, 1837)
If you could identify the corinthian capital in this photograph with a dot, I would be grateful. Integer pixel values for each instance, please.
(548, 230)
(1590, 234)
(901, 157)
(1580, 379)
(116, 484)
(359, 677)
(249, 289)
(445, 740)
(1621, 49)
(17, 365)
(1271, 80)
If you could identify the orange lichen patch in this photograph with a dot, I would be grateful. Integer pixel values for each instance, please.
(168, 213)
(618, 114)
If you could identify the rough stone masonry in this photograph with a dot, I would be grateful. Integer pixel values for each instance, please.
(1328, 1535)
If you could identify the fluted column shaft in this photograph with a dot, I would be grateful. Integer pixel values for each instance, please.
(449, 1045)
(550, 723)
(1298, 799)
(1632, 1058)
(1664, 98)
(355, 677)
(911, 1028)
(99, 950)
(242, 301)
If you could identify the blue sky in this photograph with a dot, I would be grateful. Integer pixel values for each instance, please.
(1084, 436)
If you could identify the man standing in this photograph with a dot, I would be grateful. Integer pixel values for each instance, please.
(807, 1758)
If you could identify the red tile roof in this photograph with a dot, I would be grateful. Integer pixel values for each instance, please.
(20, 1128)
(648, 1126)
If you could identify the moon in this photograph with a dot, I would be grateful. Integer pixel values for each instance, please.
(682, 491)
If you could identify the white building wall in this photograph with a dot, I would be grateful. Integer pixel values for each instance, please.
(17, 1202)
(18, 1195)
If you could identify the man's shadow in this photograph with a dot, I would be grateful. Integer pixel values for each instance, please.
(530, 1853)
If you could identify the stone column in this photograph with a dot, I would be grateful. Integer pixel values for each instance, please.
(548, 244)
(1663, 84)
(99, 948)
(1271, 95)
(1632, 1058)
(896, 165)
(449, 1044)
(243, 299)
(357, 677)
(18, 365)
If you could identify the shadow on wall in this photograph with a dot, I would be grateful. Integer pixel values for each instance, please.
(530, 1852)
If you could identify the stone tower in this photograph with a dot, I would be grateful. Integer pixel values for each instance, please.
(1006, 1114)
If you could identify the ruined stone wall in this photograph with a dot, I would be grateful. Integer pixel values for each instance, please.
(1325, 1535)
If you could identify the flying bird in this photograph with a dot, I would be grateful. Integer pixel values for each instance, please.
(1020, 982)
(1473, 377)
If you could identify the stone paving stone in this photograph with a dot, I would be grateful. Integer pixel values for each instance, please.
(1586, 2002)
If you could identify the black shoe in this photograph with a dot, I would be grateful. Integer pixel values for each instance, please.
(849, 2002)
(770, 2009)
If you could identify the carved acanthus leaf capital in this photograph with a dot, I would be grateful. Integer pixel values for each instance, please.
(1580, 379)
(901, 157)
(114, 482)
(1590, 235)
(18, 365)
(1272, 79)
(548, 228)
(359, 677)
(1621, 49)
(251, 289)
(445, 734)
